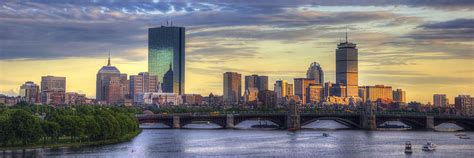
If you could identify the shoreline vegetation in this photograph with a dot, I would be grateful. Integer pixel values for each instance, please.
(26, 126)
(123, 139)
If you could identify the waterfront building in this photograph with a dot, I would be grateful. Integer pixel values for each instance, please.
(73, 98)
(251, 94)
(143, 82)
(232, 87)
(255, 81)
(439, 101)
(29, 92)
(267, 98)
(314, 94)
(316, 73)
(282, 89)
(464, 104)
(192, 99)
(347, 67)
(112, 87)
(377, 92)
(166, 46)
(159, 98)
(53, 90)
(301, 85)
(399, 96)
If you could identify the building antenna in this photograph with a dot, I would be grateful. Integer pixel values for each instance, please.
(346, 34)
(108, 63)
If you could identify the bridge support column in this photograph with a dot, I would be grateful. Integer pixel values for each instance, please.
(230, 121)
(176, 122)
(430, 122)
(369, 120)
(293, 121)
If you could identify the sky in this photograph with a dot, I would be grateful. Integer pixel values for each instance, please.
(424, 47)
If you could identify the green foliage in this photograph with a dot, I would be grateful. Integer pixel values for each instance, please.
(26, 124)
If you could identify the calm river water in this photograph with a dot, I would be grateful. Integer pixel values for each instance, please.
(268, 143)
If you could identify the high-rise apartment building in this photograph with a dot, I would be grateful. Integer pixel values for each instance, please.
(282, 90)
(142, 83)
(232, 87)
(29, 92)
(316, 73)
(464, 104)
(314, 94)
(347, 67)
(301, 85)
(166, 46)
(255, 81)
(439, 100)
(399, 95)
(53, 90)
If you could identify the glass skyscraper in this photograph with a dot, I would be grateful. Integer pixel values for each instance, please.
(165, 48)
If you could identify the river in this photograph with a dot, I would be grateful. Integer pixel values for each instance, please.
(268, 143)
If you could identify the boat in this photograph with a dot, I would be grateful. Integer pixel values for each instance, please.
(408, 148)
(325, 135)
(464, 137)
(429, 146)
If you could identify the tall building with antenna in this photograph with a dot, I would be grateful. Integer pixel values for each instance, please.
(166, 47)
(347, 67)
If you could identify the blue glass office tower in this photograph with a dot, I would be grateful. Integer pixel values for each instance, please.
(165, 48)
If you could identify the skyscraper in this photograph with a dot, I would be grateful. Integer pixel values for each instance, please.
(399, 95)
(29, 92)
(111, 85)
(255, 81)
(439, 100)
(232, 87)
(316, 73)
(53, 90)
(166, 46)
(347, 67)
(301, 85)
(280, 89)
(142, 83)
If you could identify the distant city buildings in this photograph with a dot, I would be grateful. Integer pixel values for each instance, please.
(376, 93)
(316, 73)
(347, 67)
(112, 87)
(399, 95)
(301, 86)
(166, 55)
(73, 98)
(142, 83)
(255, 81)
(232, 87)
(464, 104)
(30, 92)
(283, 90)
(440, 101)
(53, 90)
(158, 98)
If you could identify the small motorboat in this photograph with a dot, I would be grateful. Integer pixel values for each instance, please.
(464, 137)
(429, 146)
(325, 135)
(408, 148)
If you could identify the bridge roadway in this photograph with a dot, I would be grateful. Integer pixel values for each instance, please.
(357, 120)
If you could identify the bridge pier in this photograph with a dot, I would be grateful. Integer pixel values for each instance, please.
(230, 121)
(430, 122)
(176, 122)
(293, 118)
(369, 120)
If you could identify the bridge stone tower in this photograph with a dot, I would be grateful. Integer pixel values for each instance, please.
(368, 117)
(293, 116)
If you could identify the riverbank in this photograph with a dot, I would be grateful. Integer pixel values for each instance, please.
(124, 138)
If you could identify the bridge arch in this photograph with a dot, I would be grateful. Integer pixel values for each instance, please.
(465, 124)
(218, 121)
(278, 120)
(413, 123)
(346, 122)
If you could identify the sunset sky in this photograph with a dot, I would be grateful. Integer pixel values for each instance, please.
(421, 46)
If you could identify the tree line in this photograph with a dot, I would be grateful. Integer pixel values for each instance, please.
(22, 124)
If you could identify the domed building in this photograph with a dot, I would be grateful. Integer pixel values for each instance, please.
(111, 85)
(316, 73)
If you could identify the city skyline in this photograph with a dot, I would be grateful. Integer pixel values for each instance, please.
(416, 72)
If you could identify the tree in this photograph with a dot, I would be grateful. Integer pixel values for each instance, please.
(26, 127)
(51, 130)
(6, 132)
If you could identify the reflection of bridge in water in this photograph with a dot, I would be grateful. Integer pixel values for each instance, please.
(356, 120)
